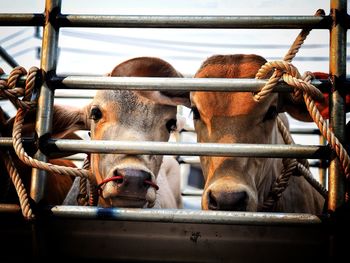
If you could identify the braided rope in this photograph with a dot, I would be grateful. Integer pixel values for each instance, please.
(290, 75)
(24, 157)
(19, 186)
(328, 134)
(309, 177)
(93, 197)
(11, 92)
(298, 42)
(287, 138)
(23, 106)
(280, 184)
(85, 198)
(302, 86)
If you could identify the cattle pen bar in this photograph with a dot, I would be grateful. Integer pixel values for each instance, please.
(186, 241)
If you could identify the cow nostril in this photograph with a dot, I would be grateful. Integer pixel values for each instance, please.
(228, 201)
(212, 203)
(147, 181)
(118, 178)
(119, 181)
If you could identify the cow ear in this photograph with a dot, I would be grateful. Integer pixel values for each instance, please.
(298, 109)
(67, 120)
(172, 98)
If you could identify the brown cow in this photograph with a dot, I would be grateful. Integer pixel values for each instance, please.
(57, 186)
(127, 180)
(242, 184)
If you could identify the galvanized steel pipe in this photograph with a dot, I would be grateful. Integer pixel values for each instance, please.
(185, 216)
(150, 83)
(158, 21)
(190, 149)
(44, 115)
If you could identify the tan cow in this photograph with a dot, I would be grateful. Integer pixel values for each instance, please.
(127, 180)
(242, 184)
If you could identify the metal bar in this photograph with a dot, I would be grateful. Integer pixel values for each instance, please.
(185, 216)
(337, 64)
(190, 149)
(196, 160)
(147, 83)
(306, 131)
(150, 83)
(45, 103)
(7, 57)
(146, 21)
(176, 215)
(10, 208)
(22, 19)
(176, 148)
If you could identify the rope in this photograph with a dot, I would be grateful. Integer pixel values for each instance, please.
(9, 90)
(19, 186)
(83, 198)
(86, 197)
(280, 184)
(24, 157)
(302, 86)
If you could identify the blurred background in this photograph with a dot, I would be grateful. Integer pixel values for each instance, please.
(96, 51)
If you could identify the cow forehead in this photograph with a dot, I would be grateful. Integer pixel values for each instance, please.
(224, 103)
(127, 108)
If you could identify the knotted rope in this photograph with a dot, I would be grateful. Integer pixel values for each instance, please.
(9, 90)
(302, 89)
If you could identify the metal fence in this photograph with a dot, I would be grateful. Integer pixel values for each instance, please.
(176, 226)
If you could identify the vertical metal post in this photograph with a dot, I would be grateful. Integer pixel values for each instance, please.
(322, 172)
(46, 98)
(337, 57)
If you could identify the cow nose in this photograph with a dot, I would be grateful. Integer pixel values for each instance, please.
(228, 201)
(132, 180)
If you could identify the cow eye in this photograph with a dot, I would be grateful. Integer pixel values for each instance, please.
(195, 113)
(171, 125)
(271, 113)
(95, 113)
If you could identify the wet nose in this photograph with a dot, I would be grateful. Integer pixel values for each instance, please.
(228, 201)
(132, 180)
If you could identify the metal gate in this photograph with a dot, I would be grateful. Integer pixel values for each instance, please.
(94, 233)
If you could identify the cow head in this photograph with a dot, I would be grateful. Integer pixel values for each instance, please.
(127, 180)
(236, 117)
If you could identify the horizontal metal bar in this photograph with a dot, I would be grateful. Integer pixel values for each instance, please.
(175, 148)
(158, 21)
(190, 149)
(10, 208)
(185, 216)
(176, 215)
(301, 131)
(21, 19)
(149, 83)
(196, 160)
(304, 131)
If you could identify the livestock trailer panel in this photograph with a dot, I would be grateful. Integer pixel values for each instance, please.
(131, 235)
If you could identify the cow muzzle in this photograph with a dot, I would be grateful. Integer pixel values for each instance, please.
(228, 197)
(128, 187)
